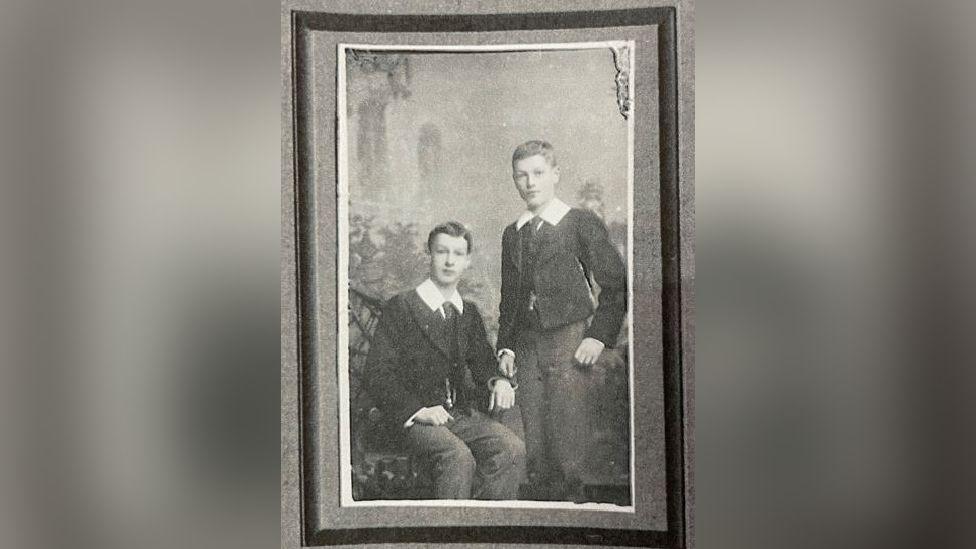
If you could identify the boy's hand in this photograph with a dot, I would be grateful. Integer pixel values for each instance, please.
(506, 365)
(435, 415)
(502, 395)
(588, 351)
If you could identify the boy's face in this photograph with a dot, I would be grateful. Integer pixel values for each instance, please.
(535, 180)
(448, 259)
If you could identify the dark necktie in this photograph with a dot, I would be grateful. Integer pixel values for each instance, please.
(529, 231)
(450, 313)
(452, 381)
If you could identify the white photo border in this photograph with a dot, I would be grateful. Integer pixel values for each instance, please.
(342, 304)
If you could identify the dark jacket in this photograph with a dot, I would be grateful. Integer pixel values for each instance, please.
(567, 255)
(409, 358)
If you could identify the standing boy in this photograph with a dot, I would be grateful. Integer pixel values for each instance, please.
(426, 341)
(549, 330)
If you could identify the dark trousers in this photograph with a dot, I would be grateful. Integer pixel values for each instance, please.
(472, 456)
(552, 394)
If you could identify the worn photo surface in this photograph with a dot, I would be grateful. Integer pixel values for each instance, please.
(425, 136)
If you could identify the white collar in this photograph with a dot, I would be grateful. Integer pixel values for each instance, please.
(433, 297)
(552, 213)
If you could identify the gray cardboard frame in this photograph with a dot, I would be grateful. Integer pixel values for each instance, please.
(307, 304)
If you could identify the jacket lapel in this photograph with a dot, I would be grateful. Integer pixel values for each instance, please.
(429, 322)
(516, 248)
(462, 331)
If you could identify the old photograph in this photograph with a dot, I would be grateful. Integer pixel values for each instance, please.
(487, 273)
(485, 203)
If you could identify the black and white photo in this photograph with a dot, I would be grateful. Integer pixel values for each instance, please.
(487, 330)
(443, 134)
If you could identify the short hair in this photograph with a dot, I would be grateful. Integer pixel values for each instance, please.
(533, 148)
(450, 228)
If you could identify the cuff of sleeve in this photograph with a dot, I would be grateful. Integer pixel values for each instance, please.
(503, 352)
(601, 338)
(512, 382)
(410, 421)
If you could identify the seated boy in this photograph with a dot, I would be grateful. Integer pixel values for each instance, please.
(427, 340)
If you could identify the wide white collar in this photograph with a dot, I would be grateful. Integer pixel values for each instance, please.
(433, 297)
(553, 213)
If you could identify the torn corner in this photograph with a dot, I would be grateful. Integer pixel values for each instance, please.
(621, 60)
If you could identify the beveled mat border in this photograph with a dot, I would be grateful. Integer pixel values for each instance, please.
(677, 423)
